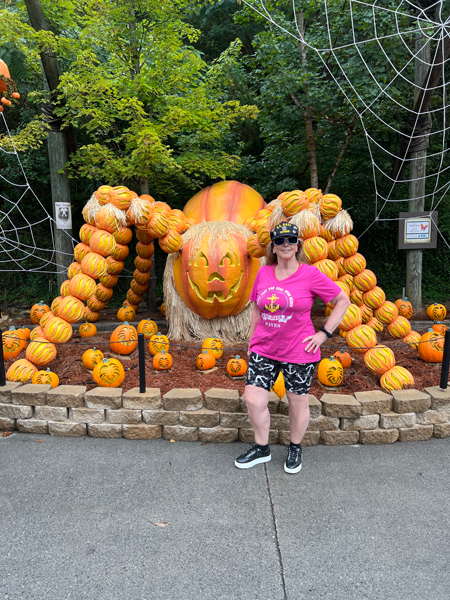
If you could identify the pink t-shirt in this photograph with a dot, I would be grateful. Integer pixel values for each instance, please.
(285, 308)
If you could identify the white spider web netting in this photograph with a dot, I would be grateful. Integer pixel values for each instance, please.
(370, 50)
(27, 230)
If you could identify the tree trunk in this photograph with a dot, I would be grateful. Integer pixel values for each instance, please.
(151, 292)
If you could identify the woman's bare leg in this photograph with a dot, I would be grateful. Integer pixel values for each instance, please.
(257, 401)
(298, 415)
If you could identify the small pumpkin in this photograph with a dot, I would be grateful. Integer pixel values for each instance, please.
(162, 361)
(40, 351)
(436, 312)
(37, 332)
(213, 345)
(279, 387)
(157, 343)
(87, 330)
(405, 308)
(126, 313)
(123, 339)
(439, 327)
(387, 312)
(21, 370)
(330, 372)
(379, 359)
(205, 360)
(343, 357)
(24, 333)
(91, 357)
(396, 379)
(12, 343)
(37, 311)
(147, 327)
(361, 338)
(108, 372)
(236, 367)
(162, 309)
(46, 378)
(431, 346)
(49, 315)
(400, 327)
(412, 339)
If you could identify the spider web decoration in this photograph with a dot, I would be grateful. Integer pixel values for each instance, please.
(373, 64)
(27, 242)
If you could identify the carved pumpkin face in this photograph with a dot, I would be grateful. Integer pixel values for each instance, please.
(330, 372)
(236, 366)
(108, 373)
(215, 277)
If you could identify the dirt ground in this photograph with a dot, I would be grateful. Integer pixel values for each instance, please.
(184, 373)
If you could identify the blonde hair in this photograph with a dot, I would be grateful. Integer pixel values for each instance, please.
(299, 255)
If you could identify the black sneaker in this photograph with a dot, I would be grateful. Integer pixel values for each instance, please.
(293, 462)
(252, 457)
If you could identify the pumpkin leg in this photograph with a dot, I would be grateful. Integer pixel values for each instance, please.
(298, 415)
(257, 401)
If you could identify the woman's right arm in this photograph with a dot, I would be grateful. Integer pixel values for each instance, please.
(253, 322)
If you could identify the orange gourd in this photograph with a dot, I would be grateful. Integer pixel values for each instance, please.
(80, 251)
(90, 315)
(46, 378)
(74, 269)
(315, 248)
(108, 372)
(330, 372)
(126, 313)
(82, 287)
(103, 243)
(162, 361)
(40, 351)
(171, 242)
(21, 370)
(65, 289)
(93, 265)
(254, 248)
(134, 298)
(70, 309)
(58, 331)
(439, 327)
(387, 312)
(121, 251)
(352, 318)
(141, 277)
(328, 268)
(54, 305)
(162, 309)
(355, 264)
(103, 293)
(205, 360)
(37, 332)
(412, 339)
(157, 343)
(366, 313)
(123, 235)
(143, 264)
(94, 304)
(138, 288)
(147, 327)
(121, 197)
(347, 245)
(396, 378)
(37, 311)
(124, 339)
(213, 345)
(431, 346)
(365, 280)
(399, 327)
(12, 343)
(86, 232)
(114, 266)
(405, 308)
(379, 359)
(374, 298)
(437, 312)
(330, 205)
(237, 367)
(361, 338)
(343, 357)
(91, 357)
(87, 330)
(108, 280)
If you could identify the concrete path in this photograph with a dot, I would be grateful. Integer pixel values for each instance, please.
(79, 520)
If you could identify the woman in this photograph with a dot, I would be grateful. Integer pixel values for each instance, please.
(282, 338)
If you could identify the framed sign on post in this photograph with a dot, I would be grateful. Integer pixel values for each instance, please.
(417, 230)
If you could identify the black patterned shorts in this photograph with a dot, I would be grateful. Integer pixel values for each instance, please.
(262, 372)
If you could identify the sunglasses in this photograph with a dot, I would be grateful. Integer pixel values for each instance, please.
(279, 241)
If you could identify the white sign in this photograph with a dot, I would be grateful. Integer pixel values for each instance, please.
(63, 215)
(418, 230)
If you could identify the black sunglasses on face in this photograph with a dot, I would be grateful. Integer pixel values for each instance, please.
(290, 240)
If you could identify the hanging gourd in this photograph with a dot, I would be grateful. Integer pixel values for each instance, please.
(213, 345)
(157, 343)
(279, 387)
(396, 378)
(124, 339)
(379, 359)
(108, 372)
(46, 378)
(87, 330)
(236, 367)
(147, 327)
(91, 357)
(21, 370)
(431, 346)
(436, 312)
(205, 360)
(405, 308)
(330, 372)
(37, 311)
(343, 357)
(12, 343)
(162, 361)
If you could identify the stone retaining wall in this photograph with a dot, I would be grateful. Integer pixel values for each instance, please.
(220, 415)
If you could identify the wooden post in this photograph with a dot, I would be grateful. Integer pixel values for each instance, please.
(417, 172)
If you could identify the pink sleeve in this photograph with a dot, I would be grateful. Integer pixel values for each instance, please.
(322, 286)
(254, 292)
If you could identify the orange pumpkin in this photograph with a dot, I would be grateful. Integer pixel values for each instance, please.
(405, 308)
(158, 225)
(340, 265)
(332, 254)
(103, 243)
(102, 194)
(439, 327)
(387, 312)
(352, 318)
(330, 205)
(254, 248)
(74, 269)
(374, 298)
(114, 266)
(121, 197)
(437, 312)
(162, 361)
(213, 345)
(355, 264)
(143, 236)
(171, 242)
(263, 232)
(65, 289)
(278, 387)
(138, 288)
(315, 248)
(330, 372)
(147, 327)
(58, 330)
(237, 367)
(123, 235)
(40, 351)
(86, 232)
(143, 264)
(91, 357)
(49, 315)
(87, 330)
(347, 245)
(82, 286)
(71, 309)
(326, 234)
(224, 201)
(54, 305)
(205, 360)
(140, 277)
(157, 343)
(379, 359)
(120, 252)
(106, 218)
(108, 280)
(366, 313)
(46, 378)
(145, 250)
(314, 195)
(93, 265)
(343, 357)
(80, 251)
(126, 313)
(399, 327)
(412, 339)
(162, 309)
(356, 297)
(108, 372)
(37, 311)
(348, 280)
(396, 378)
(135, 307)
(431, 346)
(124, 339)
(375, 324)
(215, 277)
(37, 332)
(328, 268)
(134, 298)
(12, 343)
(21, 370)
(94, 304)
(90, 315)
(365, 281)
(24, 334)
(361, 338)
(103, 293)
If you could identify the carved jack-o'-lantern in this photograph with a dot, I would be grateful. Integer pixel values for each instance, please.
(214, 274)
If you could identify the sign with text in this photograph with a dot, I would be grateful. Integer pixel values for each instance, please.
(417, 230)
(63, 215)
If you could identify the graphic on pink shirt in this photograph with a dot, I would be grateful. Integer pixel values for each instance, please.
(277, 301)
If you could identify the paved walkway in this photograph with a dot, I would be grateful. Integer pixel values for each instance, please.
(77, 521)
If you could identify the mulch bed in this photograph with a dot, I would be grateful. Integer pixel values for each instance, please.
(184, 373)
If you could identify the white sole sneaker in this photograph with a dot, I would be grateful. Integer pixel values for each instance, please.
(257, 461)
(296, 470)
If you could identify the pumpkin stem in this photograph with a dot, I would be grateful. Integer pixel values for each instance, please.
(237, 357)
